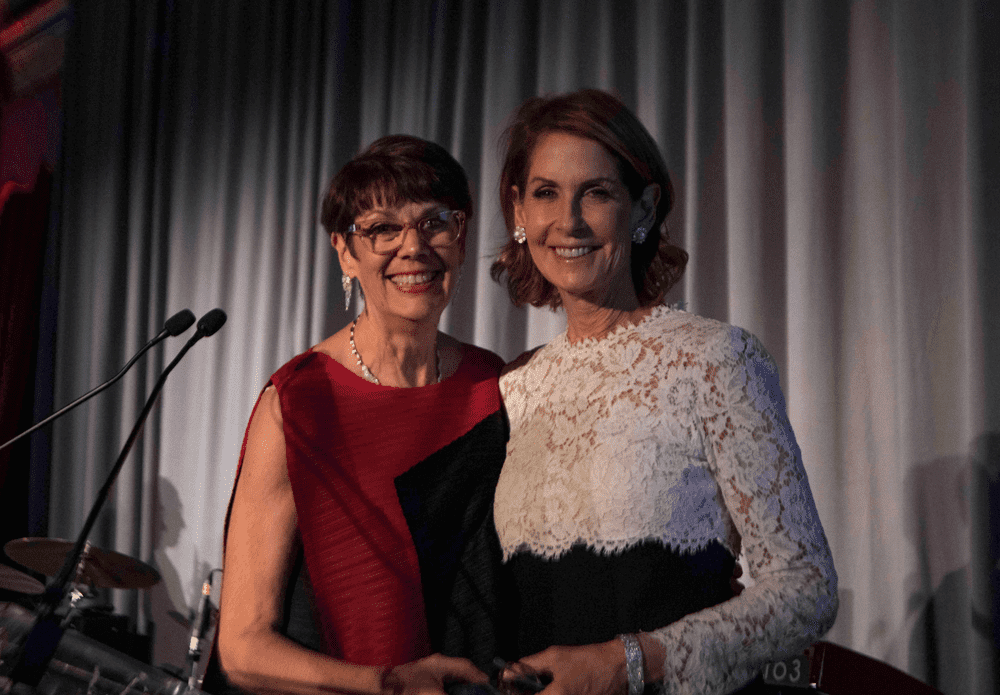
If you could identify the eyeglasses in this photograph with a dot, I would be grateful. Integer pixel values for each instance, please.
(438, 230)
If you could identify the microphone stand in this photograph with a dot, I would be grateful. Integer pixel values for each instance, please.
(203, 617)
(32, 656)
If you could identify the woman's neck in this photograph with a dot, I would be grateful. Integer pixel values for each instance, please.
(399, 353)
(595, 319)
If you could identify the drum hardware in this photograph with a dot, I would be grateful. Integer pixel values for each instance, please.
(81, 609)
(84, 665)
(114, 630)
(90, 615)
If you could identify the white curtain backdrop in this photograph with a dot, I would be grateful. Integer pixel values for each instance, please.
(837, 174)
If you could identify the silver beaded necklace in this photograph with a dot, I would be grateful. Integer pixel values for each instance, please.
(367, 373)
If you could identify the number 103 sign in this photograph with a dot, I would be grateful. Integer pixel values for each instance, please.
(791, 672)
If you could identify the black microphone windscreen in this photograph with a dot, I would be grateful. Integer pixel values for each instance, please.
(211, 322)
(179, 322)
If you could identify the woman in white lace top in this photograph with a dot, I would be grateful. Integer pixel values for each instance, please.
(648, 446)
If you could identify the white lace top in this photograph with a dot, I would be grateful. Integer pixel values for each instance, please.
(674, 430)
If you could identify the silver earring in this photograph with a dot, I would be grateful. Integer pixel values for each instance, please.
(520, 236)
(347, 282)
(639, 235)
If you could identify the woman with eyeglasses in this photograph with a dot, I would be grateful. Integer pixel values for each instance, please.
(377, 451)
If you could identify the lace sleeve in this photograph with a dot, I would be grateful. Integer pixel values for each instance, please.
(753, 456)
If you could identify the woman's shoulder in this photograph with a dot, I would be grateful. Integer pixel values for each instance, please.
(672, 342)
(317, 360)
(302, 362)
(699, 335)
(717, 348)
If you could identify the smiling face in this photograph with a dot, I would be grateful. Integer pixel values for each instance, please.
(578, 217)
(416, 281)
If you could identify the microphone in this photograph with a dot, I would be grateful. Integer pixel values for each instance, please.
(198, 629)
(178, 323)
(175, 325)
(210, 322)
(31, 657)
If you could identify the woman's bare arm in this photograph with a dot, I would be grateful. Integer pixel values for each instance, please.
(260, 544)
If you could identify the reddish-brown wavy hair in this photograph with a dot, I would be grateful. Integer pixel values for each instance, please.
(590, 113)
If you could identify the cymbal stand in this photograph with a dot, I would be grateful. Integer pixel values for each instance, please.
(75, 594)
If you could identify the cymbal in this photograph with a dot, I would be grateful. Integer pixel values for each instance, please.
(102, 568)
(14, 580)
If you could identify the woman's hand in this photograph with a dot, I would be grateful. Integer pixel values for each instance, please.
(428, 676)
(593, 669)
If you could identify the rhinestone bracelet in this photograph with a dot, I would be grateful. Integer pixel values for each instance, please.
(633, 664)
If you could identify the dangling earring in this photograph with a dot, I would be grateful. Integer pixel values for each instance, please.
(347, 282)
(639, 235)
(520, 236)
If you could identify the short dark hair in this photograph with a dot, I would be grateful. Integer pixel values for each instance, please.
(393, 170)
(590, 113)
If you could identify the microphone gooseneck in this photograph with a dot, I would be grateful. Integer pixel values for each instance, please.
(175, 325)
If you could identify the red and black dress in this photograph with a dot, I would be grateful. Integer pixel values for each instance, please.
(393, 488)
